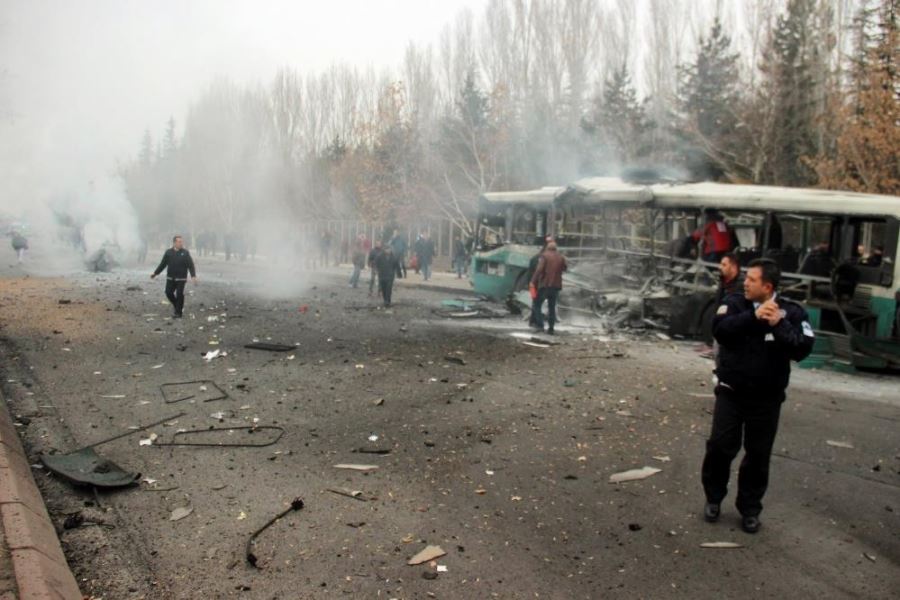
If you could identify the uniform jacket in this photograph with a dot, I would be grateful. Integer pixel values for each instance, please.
(177, 264)
(753, 356)
(549, 270)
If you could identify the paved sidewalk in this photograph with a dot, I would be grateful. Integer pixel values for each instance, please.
(32, 564)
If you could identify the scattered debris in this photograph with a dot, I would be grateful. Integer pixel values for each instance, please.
(180, 513)
(225, 432)
(455, 359)
(268, 347)
(378, 402)
(212, 354)
(838, 444)
(720, 545)
(296, 504)
(634, 527)
(86, 467)
(662, 458)
(570, 383)
(442, 568)
(114, 396)
(869, 556)
(355, 494)
(171, 393)
(354, 467)
(633, 474)
(428, 554)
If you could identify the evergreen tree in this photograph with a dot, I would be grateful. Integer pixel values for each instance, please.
(790, 65)
(707, 104)
(620, 120)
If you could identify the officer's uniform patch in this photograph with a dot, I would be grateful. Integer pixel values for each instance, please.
(723, 310)
(770, 337)
(807, 329)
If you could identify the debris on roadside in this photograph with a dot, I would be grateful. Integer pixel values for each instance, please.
(355, 467)
(190, 390)
(634, 474)
(721, 545)
(268, 347)
(180, 513)
(225, 432)
(839, 444)
(429, 553)
(355, 494)
(296, 505)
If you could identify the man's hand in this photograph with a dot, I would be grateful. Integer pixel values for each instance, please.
(152, 275)
(769, 312)
(193, 279)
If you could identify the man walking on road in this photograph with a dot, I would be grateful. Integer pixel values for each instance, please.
(398, 245)
(547, 279)
(178, 262)
(425, 256)
(374, 253)
(386, 265)
(759, 334)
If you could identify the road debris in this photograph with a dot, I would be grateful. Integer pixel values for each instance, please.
(180, 513)
(226, 432)
(455, 359)
(355, 494)
(268, 347)
(179, 391)
(355, 467)
(838, 444)
(428, 554)
(86, 467)
(209, 356)
(869, 556)
(296, 505)
(721, 545)
(633, 474)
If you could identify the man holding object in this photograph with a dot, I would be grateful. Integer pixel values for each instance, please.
(759, 334)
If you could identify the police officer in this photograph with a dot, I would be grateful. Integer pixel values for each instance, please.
(177, 261)
(759, 333)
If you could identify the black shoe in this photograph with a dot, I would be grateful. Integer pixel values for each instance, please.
(550, 331)
(711, 512)
(177, 316)
(750, 524)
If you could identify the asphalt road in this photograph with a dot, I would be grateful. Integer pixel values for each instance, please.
(503, 461)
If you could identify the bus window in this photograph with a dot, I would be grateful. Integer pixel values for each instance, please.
(870, 240)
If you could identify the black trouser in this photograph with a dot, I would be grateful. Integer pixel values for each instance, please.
(175, 293)
(737, 416)
(551, 295)
(386, 285)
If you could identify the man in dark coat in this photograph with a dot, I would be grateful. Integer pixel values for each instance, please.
(547, 279)
(178, 262)
(759, 334)
(386, 265)
(374, 253)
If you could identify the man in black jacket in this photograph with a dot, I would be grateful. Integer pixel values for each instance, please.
(386, 264)
(759, 334)
(178, 262)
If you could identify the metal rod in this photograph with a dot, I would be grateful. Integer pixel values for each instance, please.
(129, 432)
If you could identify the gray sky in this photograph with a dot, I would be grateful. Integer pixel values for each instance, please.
(81, 80)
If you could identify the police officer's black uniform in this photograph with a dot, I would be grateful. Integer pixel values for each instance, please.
(753, 369)
(177, 264)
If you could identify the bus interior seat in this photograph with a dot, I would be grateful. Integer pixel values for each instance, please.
(787, 259)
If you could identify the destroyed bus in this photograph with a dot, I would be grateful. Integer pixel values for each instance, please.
(634, 259)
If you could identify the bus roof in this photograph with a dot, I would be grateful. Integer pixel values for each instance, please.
(758, 197)
(728, 196)
(609, 189)
(540, 196)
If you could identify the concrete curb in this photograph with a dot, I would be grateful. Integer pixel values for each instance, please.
(40, 567)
